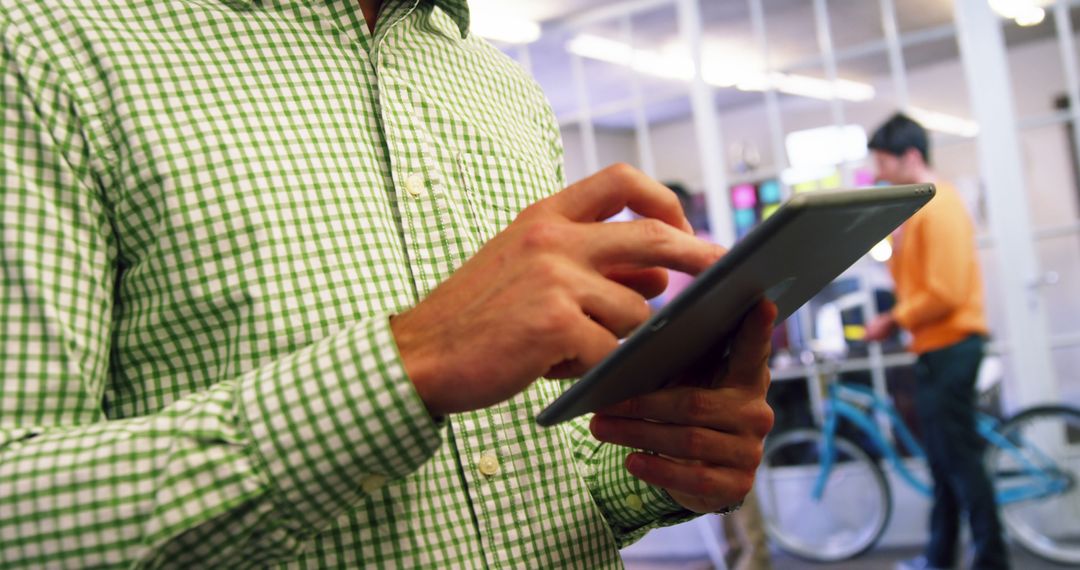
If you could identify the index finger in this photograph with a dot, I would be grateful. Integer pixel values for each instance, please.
(607, 192)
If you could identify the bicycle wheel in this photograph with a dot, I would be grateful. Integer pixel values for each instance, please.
(1036, 476)
(845, 521)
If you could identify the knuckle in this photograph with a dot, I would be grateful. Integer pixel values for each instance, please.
(698, 405)
(623, 171)
(556, 319)
(540, 236)
(696, 443)
(762, 419)
(654, 231)
(550, 274)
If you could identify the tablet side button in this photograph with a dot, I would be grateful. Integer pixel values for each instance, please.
(658, 325)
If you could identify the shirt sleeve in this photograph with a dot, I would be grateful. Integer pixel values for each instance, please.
(238, 475)
(945, 248)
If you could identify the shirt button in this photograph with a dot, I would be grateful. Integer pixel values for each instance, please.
(633, 502)
(372, 483)
(489, 464)
(414, 184)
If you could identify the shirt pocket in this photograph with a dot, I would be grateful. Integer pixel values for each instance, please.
(499, 186)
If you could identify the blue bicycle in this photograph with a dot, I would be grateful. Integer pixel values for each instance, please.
(825, 498)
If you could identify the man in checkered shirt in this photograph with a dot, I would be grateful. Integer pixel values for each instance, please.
(280, 277)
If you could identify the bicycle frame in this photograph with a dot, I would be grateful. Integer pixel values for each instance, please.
(859, 405)
(1045, 479)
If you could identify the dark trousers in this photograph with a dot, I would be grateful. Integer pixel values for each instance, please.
(945, 401)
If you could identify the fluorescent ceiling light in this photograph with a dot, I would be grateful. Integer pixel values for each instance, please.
(825, 146)
(807, 86)
(493, 21)
(644, 61)
(944, 123)
(1031, 17)
(1023, 12)
(681, 67)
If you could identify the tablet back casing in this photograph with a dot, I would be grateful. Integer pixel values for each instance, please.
(789, 258)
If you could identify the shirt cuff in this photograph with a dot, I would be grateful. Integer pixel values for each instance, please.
(632, 506)
(333, 422)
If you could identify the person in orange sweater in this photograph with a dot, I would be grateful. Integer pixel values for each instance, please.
(940, 301)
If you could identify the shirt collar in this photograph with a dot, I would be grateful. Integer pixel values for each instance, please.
(458, 10)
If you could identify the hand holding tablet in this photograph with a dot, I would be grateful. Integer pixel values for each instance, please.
(787, 259)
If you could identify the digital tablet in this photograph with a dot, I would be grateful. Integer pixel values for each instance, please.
(789, 258)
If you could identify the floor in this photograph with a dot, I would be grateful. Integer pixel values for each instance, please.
(881, 559)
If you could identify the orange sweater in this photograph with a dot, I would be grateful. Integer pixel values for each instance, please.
(936, 269)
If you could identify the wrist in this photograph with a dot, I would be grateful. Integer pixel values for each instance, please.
(890, 319)
(419, 366)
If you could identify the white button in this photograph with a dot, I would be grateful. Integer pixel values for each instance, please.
(414, 184)
(488, 464)
(634, 502)
(372, 483)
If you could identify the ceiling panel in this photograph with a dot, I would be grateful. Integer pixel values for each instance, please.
(791, 34)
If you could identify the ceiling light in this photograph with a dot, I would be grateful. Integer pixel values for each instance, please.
(825, 146)
(1030, 17)
(494, 22)
(676, 66)
(809, 86)
(619, 53)
(944, 123)
(1023, 12)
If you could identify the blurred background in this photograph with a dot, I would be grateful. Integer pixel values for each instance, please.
(747, 102)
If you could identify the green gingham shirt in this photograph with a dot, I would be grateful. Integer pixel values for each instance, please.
(210, 209)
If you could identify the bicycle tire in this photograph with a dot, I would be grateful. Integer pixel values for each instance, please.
(1048, 527)
(814, 530)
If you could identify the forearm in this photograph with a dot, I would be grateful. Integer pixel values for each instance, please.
(238, 475)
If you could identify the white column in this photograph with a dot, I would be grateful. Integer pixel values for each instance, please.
(1069, 66)
(896, 54)
(588, 136)
(772, 101)
(982, 50)
(707, 130)
(641, 121)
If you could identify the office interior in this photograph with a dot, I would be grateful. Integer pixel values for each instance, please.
(748, 102)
